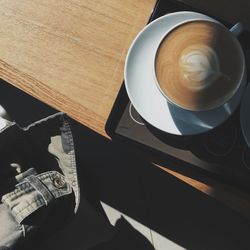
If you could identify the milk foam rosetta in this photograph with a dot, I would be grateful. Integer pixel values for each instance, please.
(198, 65)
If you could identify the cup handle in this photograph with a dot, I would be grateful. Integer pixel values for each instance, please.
(237, 29)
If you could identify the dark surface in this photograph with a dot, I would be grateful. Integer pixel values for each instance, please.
(220, 152)
(126, 237)
(113, 173)
(245, 121)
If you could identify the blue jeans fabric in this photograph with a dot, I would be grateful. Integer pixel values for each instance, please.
(39, 187)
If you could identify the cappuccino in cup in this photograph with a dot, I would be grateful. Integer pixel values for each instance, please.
(199, 65)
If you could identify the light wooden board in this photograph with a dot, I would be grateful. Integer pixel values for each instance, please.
(70, 54)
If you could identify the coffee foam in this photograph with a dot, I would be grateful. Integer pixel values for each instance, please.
(200, 66)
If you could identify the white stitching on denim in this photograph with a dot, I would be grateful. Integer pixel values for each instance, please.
(37, 203)
(23, 230)
(19, 213)
(43, 120)
(71, 153)
(24, 186)
(45, 201)
(18, 193)
(20, 216)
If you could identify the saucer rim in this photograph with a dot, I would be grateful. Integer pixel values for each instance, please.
(243, 118)
(166, 128)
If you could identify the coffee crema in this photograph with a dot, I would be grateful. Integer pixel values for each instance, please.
(198, 65)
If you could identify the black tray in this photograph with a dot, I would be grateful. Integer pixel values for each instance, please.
(221, 152)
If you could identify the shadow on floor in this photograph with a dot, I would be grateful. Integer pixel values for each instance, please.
(126, 237)
(123, 179)
(87, 229)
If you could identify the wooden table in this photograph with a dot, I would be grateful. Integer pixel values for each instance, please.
(70, 55)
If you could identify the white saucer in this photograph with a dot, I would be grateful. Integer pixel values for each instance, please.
(245, 116)
(146, 97)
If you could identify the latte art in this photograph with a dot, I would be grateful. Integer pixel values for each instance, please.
(198, 65)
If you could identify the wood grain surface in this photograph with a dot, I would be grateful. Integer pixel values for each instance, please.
(70, 55)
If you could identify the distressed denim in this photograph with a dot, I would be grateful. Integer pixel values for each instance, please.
(39, 187)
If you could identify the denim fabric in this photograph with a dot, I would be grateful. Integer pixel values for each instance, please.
(38, 178)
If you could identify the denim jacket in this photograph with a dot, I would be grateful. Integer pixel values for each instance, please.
(39, 187)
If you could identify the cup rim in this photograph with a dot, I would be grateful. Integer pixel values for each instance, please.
(239, 47)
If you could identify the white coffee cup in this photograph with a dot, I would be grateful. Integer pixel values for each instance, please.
(234, 31)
